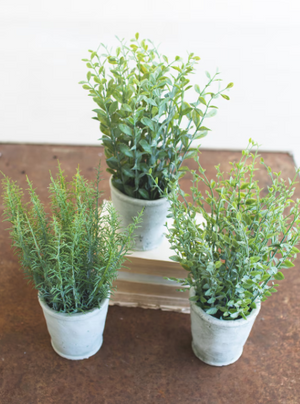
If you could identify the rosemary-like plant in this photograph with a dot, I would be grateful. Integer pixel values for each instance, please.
(72, 256)
(144, 116)
(247, 237)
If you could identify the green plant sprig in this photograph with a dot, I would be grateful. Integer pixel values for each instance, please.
(71, 256)
(145, 120)
(248, 236)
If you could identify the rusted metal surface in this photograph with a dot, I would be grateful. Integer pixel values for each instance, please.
(146, 356)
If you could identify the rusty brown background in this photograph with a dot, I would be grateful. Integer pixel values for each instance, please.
(146, 356)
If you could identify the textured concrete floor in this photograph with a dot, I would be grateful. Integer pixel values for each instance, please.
(146, 356)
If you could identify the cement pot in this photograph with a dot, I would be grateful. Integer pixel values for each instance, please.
(76, 336)
(219, 342)
(150, 234)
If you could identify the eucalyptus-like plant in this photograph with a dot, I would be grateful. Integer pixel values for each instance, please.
(248, 236)
(71, 256)
(144, 116)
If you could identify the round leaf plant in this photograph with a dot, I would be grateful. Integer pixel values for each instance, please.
(248, 236)
(144, 117)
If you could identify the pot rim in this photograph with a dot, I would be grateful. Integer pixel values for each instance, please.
(223, 323)
(140, 202)
(73, 316)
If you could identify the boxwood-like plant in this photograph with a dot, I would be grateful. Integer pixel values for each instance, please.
(144, 117)
(71, 256)
(248, 236)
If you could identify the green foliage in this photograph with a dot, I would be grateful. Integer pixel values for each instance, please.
(248, 236)
(145, 120)
(73, 255)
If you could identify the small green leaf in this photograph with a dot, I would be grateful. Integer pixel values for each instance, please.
(251, 201)
(148, 122)
(125, 129)
(127, 171)
(97, 80)
(145, 145)
(245, 185)
(144, 193)
(255, 273)
(287, 264)
(225, 96)
(279, 276)
(126, 107)
(175, 258)
(113, 107)
(112, 60)
(211, 113)
(125, 150)
(112, 162)
(211, 311)
(197, 89)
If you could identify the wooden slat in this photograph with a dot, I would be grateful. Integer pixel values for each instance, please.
(154, 267)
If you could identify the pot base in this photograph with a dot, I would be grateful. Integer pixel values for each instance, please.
(77, 357)
(210, 361)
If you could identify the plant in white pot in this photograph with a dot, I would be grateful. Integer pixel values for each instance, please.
(71, 256)
(147, 124)
(233, 258)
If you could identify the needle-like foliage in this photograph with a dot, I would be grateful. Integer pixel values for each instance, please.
(71, 256)
(248, 235)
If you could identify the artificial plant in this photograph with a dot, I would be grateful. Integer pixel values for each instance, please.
(144, 116)
(248, 235)
(71, 255)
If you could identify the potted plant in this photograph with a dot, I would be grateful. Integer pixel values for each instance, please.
(146, 124)
(233, 258)
(71, 257)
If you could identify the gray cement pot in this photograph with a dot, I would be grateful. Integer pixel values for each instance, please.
(219, 342)
(76, 336)
(150, 234)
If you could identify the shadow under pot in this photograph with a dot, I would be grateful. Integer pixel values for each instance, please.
(150, 233)
(219, 342)
(76, 336)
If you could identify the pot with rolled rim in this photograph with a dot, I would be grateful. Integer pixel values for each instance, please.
(78, 335)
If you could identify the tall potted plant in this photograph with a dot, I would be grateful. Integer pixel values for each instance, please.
(71, 257)
(235, 255)
(147, 124)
